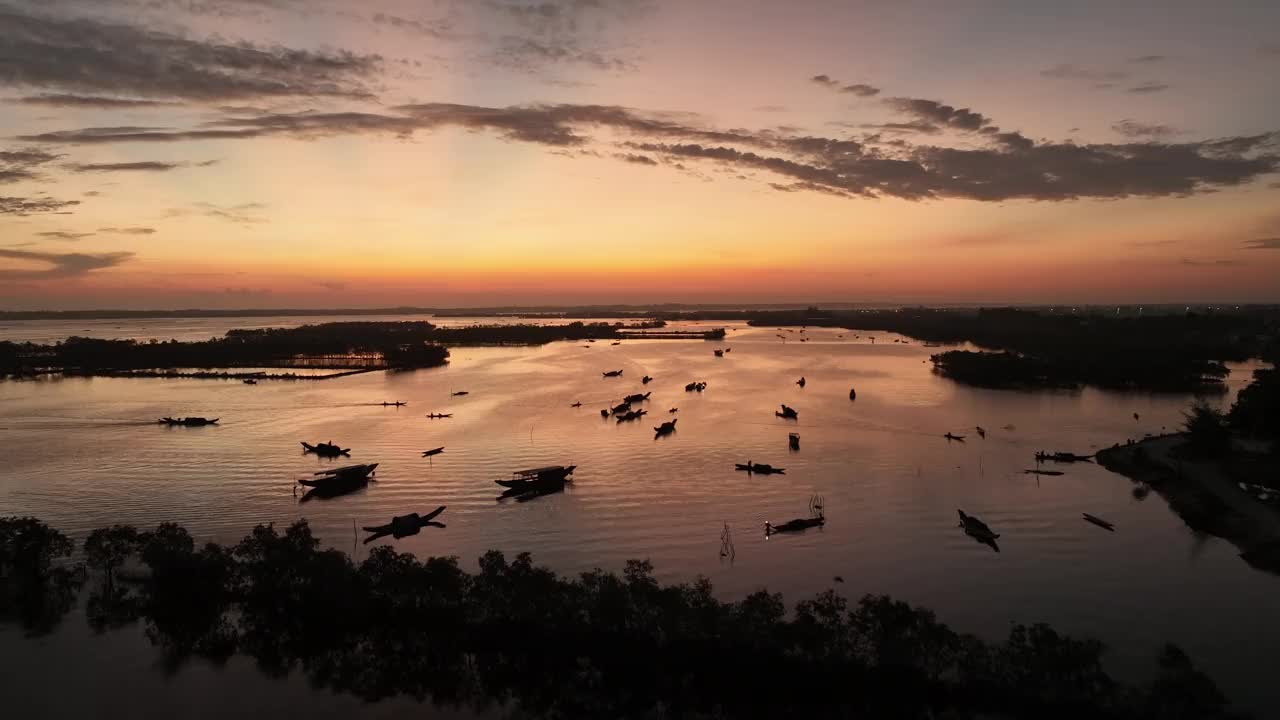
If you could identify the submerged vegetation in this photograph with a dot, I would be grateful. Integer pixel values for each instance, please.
(518, 636)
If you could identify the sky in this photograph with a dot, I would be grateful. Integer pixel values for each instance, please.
(451, 153)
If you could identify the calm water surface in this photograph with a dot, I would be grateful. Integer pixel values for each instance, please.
(83, 453)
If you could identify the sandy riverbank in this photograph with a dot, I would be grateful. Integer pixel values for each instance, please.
(1203, 495)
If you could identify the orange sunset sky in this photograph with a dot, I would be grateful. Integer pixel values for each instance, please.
(317, 153)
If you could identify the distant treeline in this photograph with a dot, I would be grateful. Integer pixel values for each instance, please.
(415, 344)
(1168, 352)
(539, 645)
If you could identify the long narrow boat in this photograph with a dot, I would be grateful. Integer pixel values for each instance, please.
(188, 421)
(325, 449)
(788, 413)
(433, 451)
(347, 474)
(795, 525)
(551, 473)
(1099, 522)
(762, 468)
(666, 428)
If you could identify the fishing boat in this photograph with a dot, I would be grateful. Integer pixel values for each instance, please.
(616, 342)
(794, 525)
(404, 525)
(620, 408)
(1099, 522)
(789, 413)
(1063, 457)
(433, 416)
(577, 404)
(604, 413)
(520, 478)
(632, 415)
(695, 387)
(433, 451)
(760, 468)
(612, 373)
(718, 353)
(636, 397)
(853, 394)
(953, 436)
(801, 381)
(1043, 472)
(459, 393)
(666, 428)
(394, 404)
(816, 519)
(250, 381)
(976, 528)
(188, 421)
(646, 380)
(673, 409)
(348, 475)
(325, 449)
(793, 440)
(981, 432)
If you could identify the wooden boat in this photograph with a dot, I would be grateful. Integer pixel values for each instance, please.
(404, 525)
(793, 440)
(981, 433)
(325, 449)
(952, 436)
(666, 428)
(604, 413)
(1043, 472)
(188, 421)
(794, 525)
(434, 416)
(761, 468)
(349, 475)
(718, 353)
(673, 410)
(853, 394)
(976, 528)
(459, 393)
(789, 413)
(1064, 457)
(1099, 522)
(635, 397)
(521, 478)
(632, 415)
(612, 373)
(433, 451)
(801, 382)
(577, 404)
(646, 380)
(534, 490)
(728, 349)
(394, 404)
(620, 408)
(250, 381)
(695, 387)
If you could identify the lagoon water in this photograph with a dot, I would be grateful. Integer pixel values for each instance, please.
(84, 453)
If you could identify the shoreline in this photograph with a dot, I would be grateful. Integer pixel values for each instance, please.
(1203, 494)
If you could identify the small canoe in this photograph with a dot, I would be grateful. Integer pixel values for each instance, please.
(1043, 472)
(976, 528)
(433, 416)
(793, 439)
(795, 525)
(1099, 522)
(951, 436)
(612, 373)
(761, 468)
(325, 449)
(789, 413)
(433, 451)
(460, 393)
(666, 428)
